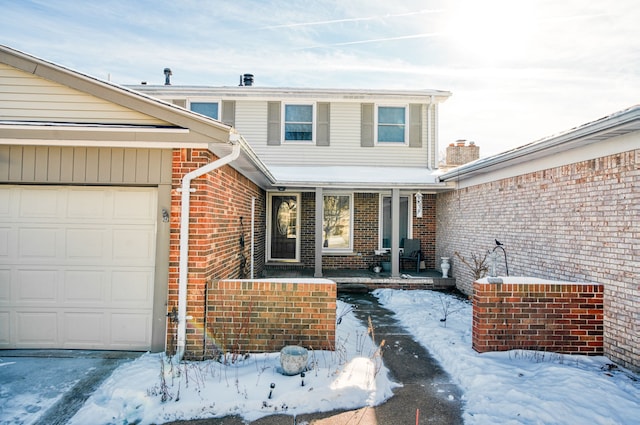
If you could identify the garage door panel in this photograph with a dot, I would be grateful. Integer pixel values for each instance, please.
(87, 244)
(5, 323)
(129, 329)
(37, 328)
(87, 204)
(132, 287)
(39, 286)
(38, 242)
(133, 206)
(5, 286)
(134, 245)
(84, 330)
(5, 233)
(84, 287)
(39, 203)
(75, 262)
(5, 203)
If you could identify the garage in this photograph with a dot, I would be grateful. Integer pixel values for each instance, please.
(77, 266)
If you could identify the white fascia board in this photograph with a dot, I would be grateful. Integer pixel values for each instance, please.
(283, 93)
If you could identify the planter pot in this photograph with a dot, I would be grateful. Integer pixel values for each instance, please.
(293, 359)
(386, 266)
(377, 269)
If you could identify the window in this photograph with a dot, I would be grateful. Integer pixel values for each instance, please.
(337, 219)
(209, 109)
(385, 231)
(298, 123)
(391, 126)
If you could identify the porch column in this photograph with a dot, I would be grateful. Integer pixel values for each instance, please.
(395, 232)
(318, 242)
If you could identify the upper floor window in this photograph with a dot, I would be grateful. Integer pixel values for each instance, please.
(392, 124)
(210, 109)
(298, 123)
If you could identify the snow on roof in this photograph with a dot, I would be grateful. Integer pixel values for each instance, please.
(353, 176)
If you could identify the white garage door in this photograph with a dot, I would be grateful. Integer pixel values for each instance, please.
(77, 267)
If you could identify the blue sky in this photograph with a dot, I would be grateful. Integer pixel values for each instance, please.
(519, 70)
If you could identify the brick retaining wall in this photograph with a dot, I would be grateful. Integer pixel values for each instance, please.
(538, 315)
(265, 315)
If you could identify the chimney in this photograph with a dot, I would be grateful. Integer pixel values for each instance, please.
(461, 152)
(167, 76)
(247, 79)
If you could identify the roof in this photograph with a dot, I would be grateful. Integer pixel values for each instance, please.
(617, 124)
(340, 177)
(182, 130)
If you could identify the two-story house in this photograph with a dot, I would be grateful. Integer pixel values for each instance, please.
(118, 209)
(370, 155)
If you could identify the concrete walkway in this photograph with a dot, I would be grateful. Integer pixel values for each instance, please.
(426, 387)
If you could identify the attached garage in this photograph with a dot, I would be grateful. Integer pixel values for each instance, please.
(77, 267)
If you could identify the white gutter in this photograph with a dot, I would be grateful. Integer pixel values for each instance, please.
(184, 237)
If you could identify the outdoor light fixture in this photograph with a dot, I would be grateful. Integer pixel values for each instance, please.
(419, 205)
(281, 188)
(501, 246)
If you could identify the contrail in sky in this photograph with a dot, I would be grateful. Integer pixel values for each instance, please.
(337, 21)
(376, 40)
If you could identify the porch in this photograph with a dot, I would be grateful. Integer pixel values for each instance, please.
(364, 280)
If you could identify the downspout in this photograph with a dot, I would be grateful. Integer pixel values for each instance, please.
(184, 237)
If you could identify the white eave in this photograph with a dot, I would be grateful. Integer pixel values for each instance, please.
(617, 124)
(280, 93)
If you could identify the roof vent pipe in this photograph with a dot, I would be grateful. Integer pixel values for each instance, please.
(167, 76)
(247, 79)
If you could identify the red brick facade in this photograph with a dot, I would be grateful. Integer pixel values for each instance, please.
(575, 222)
(550, 316)
(264, 316)
(220, 199)
(365, 232)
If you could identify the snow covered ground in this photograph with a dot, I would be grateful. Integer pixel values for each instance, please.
(516, 387)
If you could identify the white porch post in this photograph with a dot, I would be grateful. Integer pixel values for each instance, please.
(395, 232)
(318, 257)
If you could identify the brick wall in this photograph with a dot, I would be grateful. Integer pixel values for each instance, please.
(264, 316)
(548, 316)
(365, 232)
(576, 222)
(461, 153)
(220, 199)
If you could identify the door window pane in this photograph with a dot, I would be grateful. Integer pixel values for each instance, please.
(386, 220)
(336, 222)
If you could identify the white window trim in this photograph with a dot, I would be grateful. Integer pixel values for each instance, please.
(314, 123)
(380, 215)
(406, 125)
(206, 100)
(350, 248)
(269, 220)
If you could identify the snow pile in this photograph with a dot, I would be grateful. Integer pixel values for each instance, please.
(529, 387)
(152, 389)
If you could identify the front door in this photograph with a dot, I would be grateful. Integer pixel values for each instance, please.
(284, 227)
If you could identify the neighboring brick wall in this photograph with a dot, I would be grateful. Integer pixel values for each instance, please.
(246, 316)
(220, 199)
(548, 316)
(365, 232)
(577, 222)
